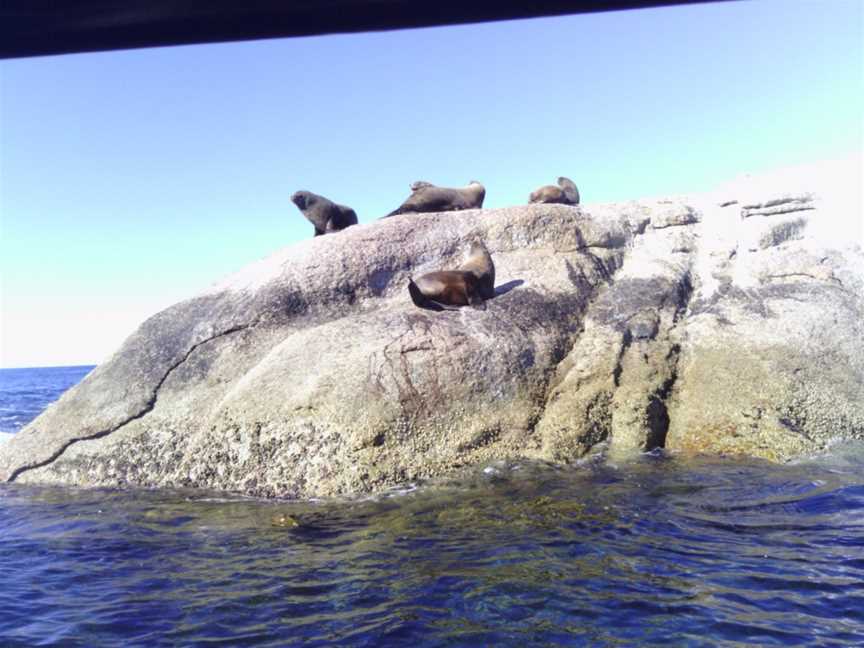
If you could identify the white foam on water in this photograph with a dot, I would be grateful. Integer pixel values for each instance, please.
(5, 436)
(401, 491)
(839, 457)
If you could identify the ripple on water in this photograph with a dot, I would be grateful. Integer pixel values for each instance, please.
(666, 551)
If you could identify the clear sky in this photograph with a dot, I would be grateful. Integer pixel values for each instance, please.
(131, 180)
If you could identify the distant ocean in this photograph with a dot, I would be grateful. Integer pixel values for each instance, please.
(24, 393)
(666, 551)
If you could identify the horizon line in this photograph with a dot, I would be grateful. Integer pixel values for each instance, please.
(70, 366)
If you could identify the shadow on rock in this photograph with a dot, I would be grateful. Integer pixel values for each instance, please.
(503, 289)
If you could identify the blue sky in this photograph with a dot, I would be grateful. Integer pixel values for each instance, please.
(131, 180)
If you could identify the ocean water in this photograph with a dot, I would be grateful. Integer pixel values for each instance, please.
(24, 393)
(707, 552)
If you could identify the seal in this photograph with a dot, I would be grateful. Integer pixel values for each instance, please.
(565, 193)
(426, 197)
(446, 289)
(469, 285)
(325, 215)
(479, 263)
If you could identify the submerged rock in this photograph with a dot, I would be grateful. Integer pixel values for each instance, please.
(678, 323)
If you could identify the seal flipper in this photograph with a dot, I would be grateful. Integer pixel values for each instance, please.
(422, 301)
(417, 297)
(570, 190)
(474, 291)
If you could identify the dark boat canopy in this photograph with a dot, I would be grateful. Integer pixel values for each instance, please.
(44, 27)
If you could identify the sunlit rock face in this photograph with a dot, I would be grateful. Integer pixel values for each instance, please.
(726, 323)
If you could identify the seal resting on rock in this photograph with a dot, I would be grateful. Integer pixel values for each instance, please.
(479, 263)
(469, 285)
(426, 197)
(324, 214)
(565, 193)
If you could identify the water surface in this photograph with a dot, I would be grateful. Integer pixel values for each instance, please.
(25, 392)
(689, 553)
(663, 552)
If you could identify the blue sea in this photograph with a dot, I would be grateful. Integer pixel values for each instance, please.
(667, 552)
(24, 393)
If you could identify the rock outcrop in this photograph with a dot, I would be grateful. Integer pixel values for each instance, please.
(706, 324)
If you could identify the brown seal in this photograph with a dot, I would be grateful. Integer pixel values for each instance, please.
(426, 197)
(565, 193)
(469, 285)
(446, 289)
(479, 263)
(324, 214)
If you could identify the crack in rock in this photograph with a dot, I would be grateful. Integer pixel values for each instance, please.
(778, 206)
(644, 382)
(787, 275)
(148, 407)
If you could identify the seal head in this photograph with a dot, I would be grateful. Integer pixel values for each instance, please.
(479, 263)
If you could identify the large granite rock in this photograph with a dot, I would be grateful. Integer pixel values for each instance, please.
(677, 323)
